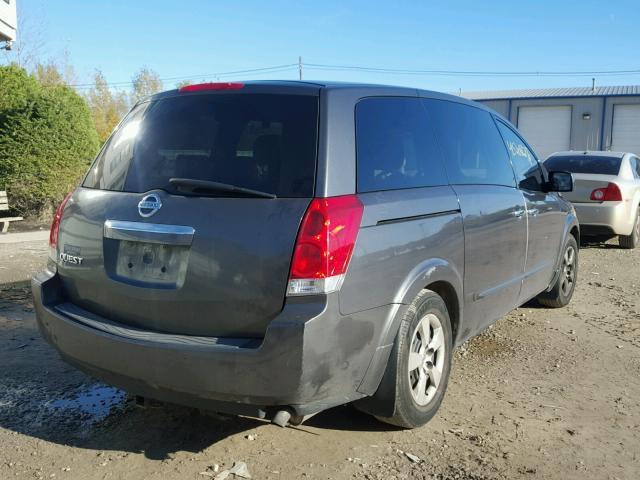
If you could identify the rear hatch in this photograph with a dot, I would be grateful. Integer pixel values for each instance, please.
(187, 220)
(589, 173)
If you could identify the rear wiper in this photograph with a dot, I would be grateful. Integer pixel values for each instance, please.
(203, 187)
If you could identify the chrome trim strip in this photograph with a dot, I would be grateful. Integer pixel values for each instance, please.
(387, 221)
(148, 232)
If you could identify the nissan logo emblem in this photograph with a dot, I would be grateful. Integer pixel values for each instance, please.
(149, 205)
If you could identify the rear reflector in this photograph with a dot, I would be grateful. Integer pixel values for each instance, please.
(609, 194)
(55, 227)
(197, 87)
(324, 245)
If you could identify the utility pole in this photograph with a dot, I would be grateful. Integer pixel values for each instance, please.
(299, 68)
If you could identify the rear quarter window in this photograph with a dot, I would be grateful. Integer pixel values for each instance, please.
(395, 146)
(265, 142)
(474, 153)
(584, 164)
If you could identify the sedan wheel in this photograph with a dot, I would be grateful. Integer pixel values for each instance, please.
(631, 241)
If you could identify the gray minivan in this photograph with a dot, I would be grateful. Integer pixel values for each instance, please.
(279, 248)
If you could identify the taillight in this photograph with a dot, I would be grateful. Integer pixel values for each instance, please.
(55, 227)
(197, 87)
(609, 194)
(324, 245)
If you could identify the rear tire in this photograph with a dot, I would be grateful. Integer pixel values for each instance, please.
(420, 361)
(560, 294)
(631, 241)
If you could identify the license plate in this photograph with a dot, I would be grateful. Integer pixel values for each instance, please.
(152, 262)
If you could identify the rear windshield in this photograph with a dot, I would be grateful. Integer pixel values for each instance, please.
(263, 142)
(584, 164)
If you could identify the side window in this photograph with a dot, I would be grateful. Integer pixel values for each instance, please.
(395, 146)
(473, 150)
(635, 166)
(526, 167)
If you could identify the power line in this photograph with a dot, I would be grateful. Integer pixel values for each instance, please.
(290, 67)
(467, 73)
(272, 69)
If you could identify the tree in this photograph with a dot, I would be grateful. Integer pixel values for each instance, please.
(48, 74)
(47, 140)
(146, 82)
(107, 107)
(58, 71)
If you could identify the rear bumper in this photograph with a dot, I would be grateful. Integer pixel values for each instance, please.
(311, 357)
(598, 218)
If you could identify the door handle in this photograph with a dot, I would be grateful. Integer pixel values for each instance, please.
(518, 212)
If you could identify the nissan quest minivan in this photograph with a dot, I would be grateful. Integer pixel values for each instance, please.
(279, 248)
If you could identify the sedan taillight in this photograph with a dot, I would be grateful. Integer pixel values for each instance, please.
(611, 193)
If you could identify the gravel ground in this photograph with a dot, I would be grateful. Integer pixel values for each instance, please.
(542, 394)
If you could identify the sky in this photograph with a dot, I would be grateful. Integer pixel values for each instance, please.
(195, 39)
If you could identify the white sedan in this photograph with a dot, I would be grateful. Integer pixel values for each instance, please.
(606, 193)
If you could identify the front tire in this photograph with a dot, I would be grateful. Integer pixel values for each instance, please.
(420, 361)
(631, 241)
(560, 294)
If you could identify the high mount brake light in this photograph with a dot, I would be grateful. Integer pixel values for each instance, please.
(54, 233)
(197, 87)
(610, 193)
(324, 245)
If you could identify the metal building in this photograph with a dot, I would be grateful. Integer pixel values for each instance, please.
(557, 119)
(8, 21)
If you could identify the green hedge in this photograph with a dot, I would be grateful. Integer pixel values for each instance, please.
(47, 140)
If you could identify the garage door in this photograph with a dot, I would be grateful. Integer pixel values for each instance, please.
(547, 129)
(626, 129)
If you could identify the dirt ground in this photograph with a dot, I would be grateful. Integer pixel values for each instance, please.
(542, 394)
(19, 261)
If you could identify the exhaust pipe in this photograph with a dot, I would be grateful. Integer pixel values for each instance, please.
(287, 416)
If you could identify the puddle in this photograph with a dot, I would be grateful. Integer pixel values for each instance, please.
(96, 402)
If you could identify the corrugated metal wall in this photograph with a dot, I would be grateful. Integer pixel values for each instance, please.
(592, 133)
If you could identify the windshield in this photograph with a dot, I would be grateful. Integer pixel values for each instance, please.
(584, 164)
(260, 142)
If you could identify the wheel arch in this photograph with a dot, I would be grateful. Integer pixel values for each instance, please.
(437, 275)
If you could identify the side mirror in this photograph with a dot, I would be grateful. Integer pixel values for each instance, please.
(560, 182)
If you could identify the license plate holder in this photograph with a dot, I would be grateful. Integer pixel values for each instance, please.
(152, 263)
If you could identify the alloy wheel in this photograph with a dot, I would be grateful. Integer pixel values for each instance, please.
(568, 270)
(426, 359)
